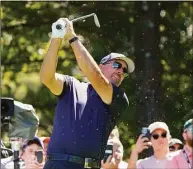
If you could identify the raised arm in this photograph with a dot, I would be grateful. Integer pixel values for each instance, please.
(48, 75)
(141, 144)
(89, 67)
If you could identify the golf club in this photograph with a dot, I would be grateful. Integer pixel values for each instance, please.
(96, 21)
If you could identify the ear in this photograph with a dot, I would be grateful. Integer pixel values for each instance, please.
(21, 155)
(184, 135)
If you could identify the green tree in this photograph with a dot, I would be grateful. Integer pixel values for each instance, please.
(164, 76)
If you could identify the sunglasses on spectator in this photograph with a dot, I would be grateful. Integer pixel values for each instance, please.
(117, 65)
(156, 136)
(173, 148)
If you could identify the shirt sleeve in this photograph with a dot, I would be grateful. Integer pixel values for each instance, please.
(172, 162)
(139, 164)
(68, 82)
(119, 103)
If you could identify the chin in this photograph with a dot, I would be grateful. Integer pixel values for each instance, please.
(115, 83)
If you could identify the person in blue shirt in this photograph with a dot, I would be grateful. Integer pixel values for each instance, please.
(86, 112)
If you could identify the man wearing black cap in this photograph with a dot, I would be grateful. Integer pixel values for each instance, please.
(86, 113)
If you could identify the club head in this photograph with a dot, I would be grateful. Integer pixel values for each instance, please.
(96, 21)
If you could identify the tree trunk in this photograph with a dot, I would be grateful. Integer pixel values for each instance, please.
(148, 64)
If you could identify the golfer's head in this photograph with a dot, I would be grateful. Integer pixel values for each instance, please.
(116, 67)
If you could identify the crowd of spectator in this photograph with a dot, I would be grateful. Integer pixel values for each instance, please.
(171, 153)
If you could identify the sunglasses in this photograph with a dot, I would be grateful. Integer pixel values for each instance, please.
(117, 65)
(173, 148)
(156, 136)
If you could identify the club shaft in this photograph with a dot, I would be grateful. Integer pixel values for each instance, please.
(83, 17)
(59, 26)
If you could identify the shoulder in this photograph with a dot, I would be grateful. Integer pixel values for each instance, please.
(176, 154)
(123, 165)
(73, 82)
(173, 159)
(145, 160)
(118, 94)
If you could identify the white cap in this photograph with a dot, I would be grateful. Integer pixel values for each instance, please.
(158, 125)
(112, 56)
(175, 141)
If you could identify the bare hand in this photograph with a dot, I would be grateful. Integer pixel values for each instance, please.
(35, 165)
(111, 163)
(141, 144)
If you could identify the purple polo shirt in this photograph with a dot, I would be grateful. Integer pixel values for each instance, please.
(82, 121)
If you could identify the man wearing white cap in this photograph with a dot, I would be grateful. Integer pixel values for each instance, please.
(86, 113)
(159, 140)
(175, 145)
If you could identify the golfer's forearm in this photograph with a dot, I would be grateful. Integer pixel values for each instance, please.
(85, 61)
(48, 67)
(92, 71)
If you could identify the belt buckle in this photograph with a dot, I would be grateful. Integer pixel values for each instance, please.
(88, 163)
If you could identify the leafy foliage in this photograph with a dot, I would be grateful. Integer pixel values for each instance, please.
(26, 28)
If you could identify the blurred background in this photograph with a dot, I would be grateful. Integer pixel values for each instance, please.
(156, 35)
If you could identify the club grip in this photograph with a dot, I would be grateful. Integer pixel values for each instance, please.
(58, 26)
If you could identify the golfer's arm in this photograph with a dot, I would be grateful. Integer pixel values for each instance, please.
(92, 71)
(48, 75)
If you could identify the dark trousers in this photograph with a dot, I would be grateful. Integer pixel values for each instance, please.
(59, 164)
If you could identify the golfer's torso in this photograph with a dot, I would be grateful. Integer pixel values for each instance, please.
(80, 121)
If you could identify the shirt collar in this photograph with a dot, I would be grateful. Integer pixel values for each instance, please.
(188, 152)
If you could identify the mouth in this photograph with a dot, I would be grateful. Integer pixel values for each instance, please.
(117, 77)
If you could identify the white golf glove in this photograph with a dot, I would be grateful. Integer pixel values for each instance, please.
(58, 33)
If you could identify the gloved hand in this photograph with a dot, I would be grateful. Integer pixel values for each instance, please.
(59, 33)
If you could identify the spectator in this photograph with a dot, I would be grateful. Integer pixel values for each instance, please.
(159, 139)
(114, 133)
(28, 159)
(183, 158)
(29, 148)
(175, 145)
(115, 161)
(45, 141)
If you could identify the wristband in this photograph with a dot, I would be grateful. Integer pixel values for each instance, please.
(73, 39)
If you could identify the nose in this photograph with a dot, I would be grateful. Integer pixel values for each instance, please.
(120, 70)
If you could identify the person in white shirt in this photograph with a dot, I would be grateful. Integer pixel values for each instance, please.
(116, 160)
(159, 140)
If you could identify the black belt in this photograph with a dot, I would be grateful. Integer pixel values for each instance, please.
(86, 162)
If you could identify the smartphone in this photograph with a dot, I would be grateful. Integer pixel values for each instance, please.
(146, 132)
(108, 151)
(39, 156)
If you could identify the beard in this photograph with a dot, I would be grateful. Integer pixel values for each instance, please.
(189, 141)
(116, 80)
